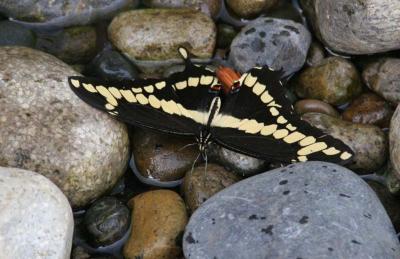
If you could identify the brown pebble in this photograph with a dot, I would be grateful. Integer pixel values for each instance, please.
(158, 221)
(200, 185)
(369, 108)
(313, 105)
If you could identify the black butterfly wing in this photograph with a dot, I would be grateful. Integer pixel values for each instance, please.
(259, 121)
(175, 105)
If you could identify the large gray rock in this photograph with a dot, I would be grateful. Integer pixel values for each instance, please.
(353, 26)
(309, 210)
(35, 220)
(277, 43)
(62, 13)
(46, 128)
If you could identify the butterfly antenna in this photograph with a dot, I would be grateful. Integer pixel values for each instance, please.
(205, 169)
(191, 171)
(180, 149)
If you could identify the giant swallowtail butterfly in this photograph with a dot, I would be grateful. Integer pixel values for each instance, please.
(253, 117)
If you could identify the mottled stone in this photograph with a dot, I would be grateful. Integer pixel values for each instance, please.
(368, 142)
(111, 65)
(201, 184)
(72, 45)
(162, 157)
(45, 127)
(383, 77)
(158, 221)
(272, 215)
(369, 108)
(394, 142)
(250, 8)
(352, 26)
(316, 54)
(36, 220)
(209, 7)
(14, 34)
(334, 80)
(107, 220)
(274, 42)
(234, 161)
(312, 105)
(51, 14)
(164, 30)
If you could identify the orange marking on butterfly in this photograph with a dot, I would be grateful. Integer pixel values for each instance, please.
(229, 78)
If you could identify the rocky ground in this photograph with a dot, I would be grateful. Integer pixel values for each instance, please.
(75, 183)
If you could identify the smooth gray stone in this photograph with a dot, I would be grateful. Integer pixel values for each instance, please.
(274, 42)
(310, 210)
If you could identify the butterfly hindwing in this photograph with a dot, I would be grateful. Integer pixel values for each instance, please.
(176, 105)
(259, 121)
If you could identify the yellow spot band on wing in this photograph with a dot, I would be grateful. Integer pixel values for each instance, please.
(128, 95)
(109, 97)
(89, 88)
(312, 148)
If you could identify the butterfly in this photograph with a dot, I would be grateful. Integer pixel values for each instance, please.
(246, 113)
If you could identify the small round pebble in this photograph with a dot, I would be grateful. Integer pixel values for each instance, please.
(107, 220)
(334, 80)
(209, 7)
(313, 105)
(316, 54)
(250, 8)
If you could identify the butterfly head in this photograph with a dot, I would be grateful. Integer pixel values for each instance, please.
(228, 78)
(203, 140)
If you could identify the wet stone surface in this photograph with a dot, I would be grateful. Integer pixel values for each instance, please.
(279, 209)
(313, 105)
(13, 34)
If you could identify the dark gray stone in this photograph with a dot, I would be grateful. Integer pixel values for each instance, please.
(14, 34)
(307, 210)
(274, 42)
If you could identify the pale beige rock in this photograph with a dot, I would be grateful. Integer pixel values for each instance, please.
(394, 142)
(46, 128)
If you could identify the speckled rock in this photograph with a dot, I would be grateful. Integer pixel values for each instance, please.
(62, 13)
(368, 142)
(158, 220)
(36, 219)
(209, 7)
(394, 142)
(162, 157)
(72, 45)
(274, 42)
(351, 26)
(237, 162)
(45, 127)
(250, 8)
(316, 54)
(369, 108)
(107, 220)
(200, 185)
(383, 77)
(334, 80)
(14, 34)
(164, 30)
(330, 207)
(111, 65)
(312, 105)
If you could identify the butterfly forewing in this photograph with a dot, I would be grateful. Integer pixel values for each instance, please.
(259, 121)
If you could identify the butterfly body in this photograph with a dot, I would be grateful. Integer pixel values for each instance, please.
(245, 113)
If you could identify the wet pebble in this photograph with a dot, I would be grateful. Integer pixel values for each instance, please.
(35, 219)
(45, 127)
(334, 80)
(112, 65)
(226, 33)
(14, 34)
(250, 8)
(312, 105)
(49, 14)
(368, 142)
(383, 77)
(72, 45)
(281, 208)
(209, 7)
(164, 30)
(369, 108)
(107, 220)
(239, 163)
(162, 157)
(316, 54)
(158, 221)
(394, 142)
(201, 184)
(277, 43)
